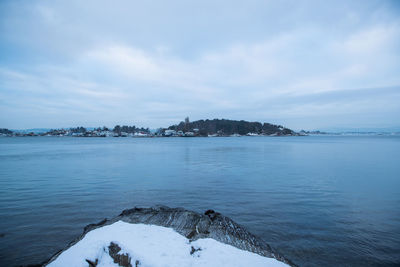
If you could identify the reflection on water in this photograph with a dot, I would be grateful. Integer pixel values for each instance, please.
(318, 200)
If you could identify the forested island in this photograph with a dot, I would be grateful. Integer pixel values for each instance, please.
(222, 127)
(199, 128)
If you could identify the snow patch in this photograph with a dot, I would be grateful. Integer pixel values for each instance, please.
(151, 245)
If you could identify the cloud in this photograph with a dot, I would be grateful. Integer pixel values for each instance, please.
(105, 65)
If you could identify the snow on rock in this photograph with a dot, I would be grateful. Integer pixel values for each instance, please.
(151, 245)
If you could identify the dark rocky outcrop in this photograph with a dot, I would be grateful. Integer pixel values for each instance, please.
(193, 225)
(194, 250)
(123, 260)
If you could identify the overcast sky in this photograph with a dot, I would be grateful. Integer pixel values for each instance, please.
(303, 64)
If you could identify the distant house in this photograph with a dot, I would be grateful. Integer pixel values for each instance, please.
(189, 134)
(169, 133)
(141, 134)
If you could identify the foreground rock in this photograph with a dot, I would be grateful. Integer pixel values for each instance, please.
(129, 238)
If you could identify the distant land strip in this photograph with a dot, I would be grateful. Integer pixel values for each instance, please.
(186, 128)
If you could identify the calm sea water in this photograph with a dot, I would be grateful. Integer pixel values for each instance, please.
(319, 200)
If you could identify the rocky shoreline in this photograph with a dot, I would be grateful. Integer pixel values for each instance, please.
(190, 224)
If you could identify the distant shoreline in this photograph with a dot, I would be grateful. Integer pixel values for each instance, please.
(147, 136)
(220, 136)
(186, 128)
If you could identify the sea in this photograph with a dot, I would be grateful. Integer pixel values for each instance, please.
(317, 200)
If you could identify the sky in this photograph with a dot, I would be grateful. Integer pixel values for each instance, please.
(301, 64)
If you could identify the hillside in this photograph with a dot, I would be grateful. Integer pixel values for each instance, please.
(228, 127)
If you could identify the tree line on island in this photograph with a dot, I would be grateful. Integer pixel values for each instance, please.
(215, 127)
(225, 127)
(116, 129)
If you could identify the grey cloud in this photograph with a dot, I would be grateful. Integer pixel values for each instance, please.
(302, 64)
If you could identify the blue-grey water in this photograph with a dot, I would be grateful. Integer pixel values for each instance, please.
(319, 200)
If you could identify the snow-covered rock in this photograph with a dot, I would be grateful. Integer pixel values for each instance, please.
(152, 245)
(162, 236)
